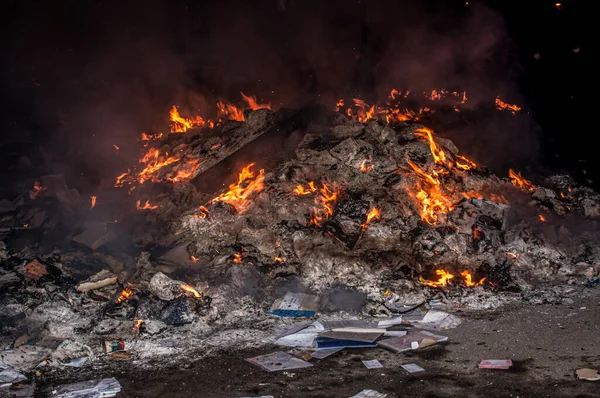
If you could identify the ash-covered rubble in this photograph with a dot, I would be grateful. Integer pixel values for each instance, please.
(362, 210)
(511, 236)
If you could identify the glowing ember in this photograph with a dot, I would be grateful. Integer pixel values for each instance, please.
(520, 182)
(498, 198)
(325, 202)
(116, 147)
(441, 282)
(300, 190)
(138, 323)
(180, 124)
(203, 212)
(279, 260)
(146, 206)
(93, 201)
(468, 279)
(558, 6)
(364, 167)
(253, 104)
(228, 111)
(189, 289)
(501, 105)
(36, 190)
(541, 218)
(373, 214)
(150, 137)
(463, 163)
(194, 259)
(513, 255)
(238, 195)
(125, 294)
(237, 258)
(186, 171)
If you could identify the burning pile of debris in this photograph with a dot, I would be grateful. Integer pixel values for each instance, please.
(373, 202)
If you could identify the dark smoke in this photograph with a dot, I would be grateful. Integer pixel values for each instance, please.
(86, 76)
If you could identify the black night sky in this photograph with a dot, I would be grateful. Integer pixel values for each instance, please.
(79, 76)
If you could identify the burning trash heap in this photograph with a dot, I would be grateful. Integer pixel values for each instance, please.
(373, 202)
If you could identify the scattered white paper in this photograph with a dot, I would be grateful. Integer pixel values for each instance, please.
(369, 394)
(91, 388)
(389, 322)
(412, 368)
(372, 364)
(395, 333)
(437, 320)
(300, 336)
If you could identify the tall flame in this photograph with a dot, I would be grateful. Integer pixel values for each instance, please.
(468, 279)
(229, 111)
(325, 202)
(93, 201)
(519, 181)
(373, 214)
(181, 124)
(238, 195)
(253, 104)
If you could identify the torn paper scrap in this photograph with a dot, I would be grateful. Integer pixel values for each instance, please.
(437, 320)
(372, 364)
(91, 388)
(495, 364)
(413, 340)
(588, 374)
(412, 368)
(279, 361)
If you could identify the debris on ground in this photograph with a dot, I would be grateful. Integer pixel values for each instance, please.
(495, 364)
(372, 364)
(413, 340)
(588, 374)
(101, 388)
(369, 394)
(412, 368)
(296, 305)
(279, 361)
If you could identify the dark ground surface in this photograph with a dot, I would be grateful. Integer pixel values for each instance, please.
(546, 343)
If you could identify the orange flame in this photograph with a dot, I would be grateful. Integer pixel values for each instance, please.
(498, 198)
(373, 214)
(468, 279)
(186, 171)
(463, 163)
(253, 104)
(300, 190)
(279, 260)
(36, 190)
(325, 202)
(150, 137)
(443, 281)
(93, 200)
(194, 259)
(520, 182)
(541, 218)
(430, 195)
(229, 111)
(138, 323)
(180, 124)
(501, 105)
(364, 167)
(189, 289)
(439, 156)
(125, 294)
(203, 212)
(237, 258)
(146, 206)
(238, 194)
